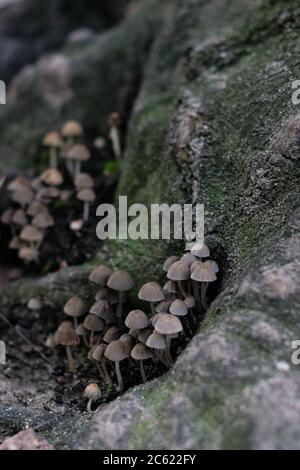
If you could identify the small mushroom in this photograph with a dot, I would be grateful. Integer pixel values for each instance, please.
(87, 196)
(168, 325)
(43, 220)
(114, 135)
(79, 153)
(82, 332)
(151, 292)
(170, 287)
(157, 342)
(94, 324)
(202, 274)
(120, 281)
(105, 293)
(163, 306)
(23, 196)
(136, 320)
(53, 141)
(212, 266)
(100, 275)
(112, 334)
(28, 254)
(178, 308)
(141, 353)
(19, 218)
(116, 352)
(100, 143)
(93, 392)
(200, 250)
(128, 341)
(179, 272)
(103, 310)
(19, 183)
(66, 336)
(188, 259)
(71, 131)
(34, 304)
(52, 177)
(75, 308)
(169, 261)
(84, 181)
(31, 235)
(97, 355)
(144, 335)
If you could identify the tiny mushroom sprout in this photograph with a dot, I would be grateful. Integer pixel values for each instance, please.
(168, 325)
(120, 281)
(78, 154)
(144, 335)
(97, 354)
(170, 287)
(114, 135)
(87, 196)
(75, 307)
(100, 275)
(151, 292)
(141, 353)
(116, 352)
(94, 324)
(136, 320)
(93, 392)
(52, 177)
(202, 274)
(178, 272)
(53, 141)
(66, 336)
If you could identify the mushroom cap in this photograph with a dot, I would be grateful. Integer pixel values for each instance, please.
(93, 323)
(190, 301)
(196, 264)
(178, 271)
(116, 351)
(156, 341)
(84, 181)
(105, 293)
(188, 259)
(151, 292)
(120, 281)
(168, 324)
(31, 234)
(52, 139)
(200, 250)
(65, 325)
(203, 274)
(47, 193)
(144, 335)
(79, 153)
(212, 265)
(98, 352)
(100, 275)
(36, 208)
(86, 195)
(128, 341)
(34, 304)
(52, 177)
(43, 220)
(156, 317)
(111, 335)
(170, 286)
(7, 215)
(137, 320)
(27, 253)
(163, 306)
(169, 261)
(80, 330)
(67, 337)
(23, 196)
(103, 310)
(178, 308)
(75, 307)
(71, 129)
(140, 352)
(19, 183)
(19, 217)
(92, 392)
(16, 244)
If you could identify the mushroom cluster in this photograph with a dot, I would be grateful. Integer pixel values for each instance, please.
(114, 336)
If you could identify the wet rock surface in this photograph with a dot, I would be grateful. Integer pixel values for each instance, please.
(210, 120)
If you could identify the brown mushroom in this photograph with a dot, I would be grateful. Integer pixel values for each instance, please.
(53, 141)
(151, 292)
(168, 325)
(28, 254)
(169, 261)
(120, 281)
(66, 336)
(43, 220)
(81, 331)
(141, 353)
(75, 308)
(102, 309)
(179, 272)
(200, 250)
(112, 334)
(116, 352)
(52, 177)
(31, 235)
(136, 320)
(79, 153)
(202, 274)
(105, 293)
(84, 181)
(94, 324)
(93, 392)
(100, 275)
(97, 355)
(87, 196)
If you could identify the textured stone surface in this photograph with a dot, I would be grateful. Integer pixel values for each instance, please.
(26, 440)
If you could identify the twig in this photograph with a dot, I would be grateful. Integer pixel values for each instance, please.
(19, 332)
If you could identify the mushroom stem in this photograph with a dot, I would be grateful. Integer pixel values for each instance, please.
(86, 211)
(53, 157)
(119, 376)
(75, 322)
(71, 361)
(168, 350)
(86, 341)
(143, 371)
(196, 292)
(120, 305)
(91, 338)
(104, 368)
(204, 287)
(77, 169)
(115, 138)
(101, 372)
(181, 289)
(89, 406)
(153, 309)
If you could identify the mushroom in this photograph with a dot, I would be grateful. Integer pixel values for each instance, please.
(53, 141)
(23, 196)
(141, 353)
(102, 309)
(81, 331)
(114, 135)
(144, 335)
(98, 355)
(136, 320)
(43, 220)
(36, 208)
(28, 254)
(93, 393)
(116, 352)
(178, 308)
(120, 281)
(151, 292)
(204, 275)
(188, 259)
(100, 275)
(34, 304)
(31, 235)
(84, 181)
(94, 324)
(168, 325)
(75, 307)
(105, 293)
(16, 244)
(7, 215)
(170, 287)
(179, 272)
(157, 342)
(52, 177)
(99, 143)
(71, 131)
(79, 153)
(66, 336)
(19, 183)
(163, 306)
(200, 250)
(169, 261)
(128, 341)
(112, 334)
(87, 196)
(212, 265)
